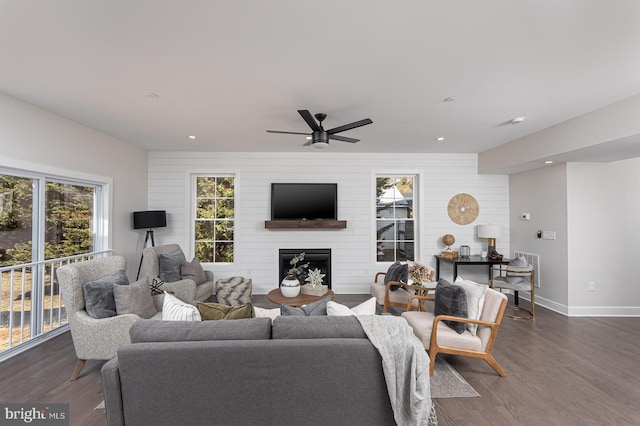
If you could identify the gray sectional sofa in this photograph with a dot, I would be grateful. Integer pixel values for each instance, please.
(297, 371)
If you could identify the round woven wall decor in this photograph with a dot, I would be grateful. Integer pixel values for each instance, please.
(463, 209)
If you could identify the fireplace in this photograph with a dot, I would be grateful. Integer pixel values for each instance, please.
(317, 258)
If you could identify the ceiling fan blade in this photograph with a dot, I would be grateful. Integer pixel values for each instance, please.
(306, 115)
(343, 138)
(287, 133)
(350, 126)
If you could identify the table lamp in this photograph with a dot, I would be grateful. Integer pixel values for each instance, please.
(491, 232)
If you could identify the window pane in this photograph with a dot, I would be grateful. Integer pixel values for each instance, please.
(395, 227)
(69, 220)
(214, 201)
(16, 198)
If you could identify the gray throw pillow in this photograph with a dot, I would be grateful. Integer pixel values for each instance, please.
(98, 295)
(170, 265)
(315, 308)
(518, 262)
(134, 299)
(193, 270)
(396, 272)
(451, 300)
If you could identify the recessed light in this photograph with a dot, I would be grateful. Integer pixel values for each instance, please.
(440, 139)
(548, 162)
(192, 137)
(517, 120)
(449, 99)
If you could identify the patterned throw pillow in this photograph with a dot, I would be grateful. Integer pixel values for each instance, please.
(234, 291)
(396, 272)
(174, 309)
(312, 309)
(451, 300)
(216, 311)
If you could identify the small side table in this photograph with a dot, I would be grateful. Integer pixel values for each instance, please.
(275, 296)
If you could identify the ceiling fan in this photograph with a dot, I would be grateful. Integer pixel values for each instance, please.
(319, 136)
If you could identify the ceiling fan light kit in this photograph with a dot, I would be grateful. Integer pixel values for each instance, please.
(320, 137)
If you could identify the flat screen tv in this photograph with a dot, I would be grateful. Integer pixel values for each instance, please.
(304, 201)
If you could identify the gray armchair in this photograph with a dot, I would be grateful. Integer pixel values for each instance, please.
(186, 289)
(92, 338)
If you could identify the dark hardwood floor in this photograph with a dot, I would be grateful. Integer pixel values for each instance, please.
(560, 371)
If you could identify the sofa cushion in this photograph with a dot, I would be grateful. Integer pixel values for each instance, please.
(174, 309)
(134, 298)
(183, 331)
(216, 311)
(317, 327)
(315, 308)
(169, 266)
(194, 271)
(451, 300)
(396, 272)
(368, 307)
(98, 295)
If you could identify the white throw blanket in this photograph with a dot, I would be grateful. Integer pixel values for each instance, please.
(406, 368)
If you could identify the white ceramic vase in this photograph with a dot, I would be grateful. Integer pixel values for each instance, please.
(290, 287)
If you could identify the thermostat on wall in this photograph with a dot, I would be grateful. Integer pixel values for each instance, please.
(525, 216)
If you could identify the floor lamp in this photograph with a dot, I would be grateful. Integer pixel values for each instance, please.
(148, 220)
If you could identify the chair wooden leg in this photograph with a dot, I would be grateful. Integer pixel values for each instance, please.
(79, 367)
(494, 364)
(432, 362)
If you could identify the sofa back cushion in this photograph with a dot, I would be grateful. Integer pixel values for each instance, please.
(183, 331)
(317, 327)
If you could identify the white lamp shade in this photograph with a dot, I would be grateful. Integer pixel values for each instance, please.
(489, 231)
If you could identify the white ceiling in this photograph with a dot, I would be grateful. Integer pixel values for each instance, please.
(226, 71)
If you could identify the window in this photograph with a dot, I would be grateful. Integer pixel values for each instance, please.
(43, 222)
(395, 223)
(68, 219)
(214, 219)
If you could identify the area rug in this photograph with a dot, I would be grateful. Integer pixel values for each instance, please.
(100, 406)
(448, 383)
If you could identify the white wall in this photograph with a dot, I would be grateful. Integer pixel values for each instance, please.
(32, 138)
(543, 194)
(441, 176)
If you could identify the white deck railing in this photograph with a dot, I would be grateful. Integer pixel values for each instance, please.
(30, 301)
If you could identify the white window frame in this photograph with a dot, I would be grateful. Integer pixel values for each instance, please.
(417, 200)
(193, 176)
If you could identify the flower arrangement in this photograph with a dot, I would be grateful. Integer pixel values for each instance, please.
(418, 273)
(296, 269)
(315, 277)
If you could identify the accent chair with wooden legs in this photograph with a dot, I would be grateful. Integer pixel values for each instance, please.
(437, 337)
(92, 338)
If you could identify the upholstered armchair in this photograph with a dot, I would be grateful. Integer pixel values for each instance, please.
(92, 338)
(186, 289)
(437, 337)
(381, 290)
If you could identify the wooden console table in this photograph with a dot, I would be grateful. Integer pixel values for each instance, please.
(275, 296)
(471, 260)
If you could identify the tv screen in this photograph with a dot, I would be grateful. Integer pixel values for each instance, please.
(304, 201)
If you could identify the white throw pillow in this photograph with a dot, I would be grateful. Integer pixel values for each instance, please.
(174, 309)
(475, 300)
(368, 307)
(266, 313)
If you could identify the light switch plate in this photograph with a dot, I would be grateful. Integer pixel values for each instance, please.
(549, 235)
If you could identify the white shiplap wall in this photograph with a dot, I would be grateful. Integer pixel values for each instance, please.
(440, 177)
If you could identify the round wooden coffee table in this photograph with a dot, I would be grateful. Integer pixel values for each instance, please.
(275, 296)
